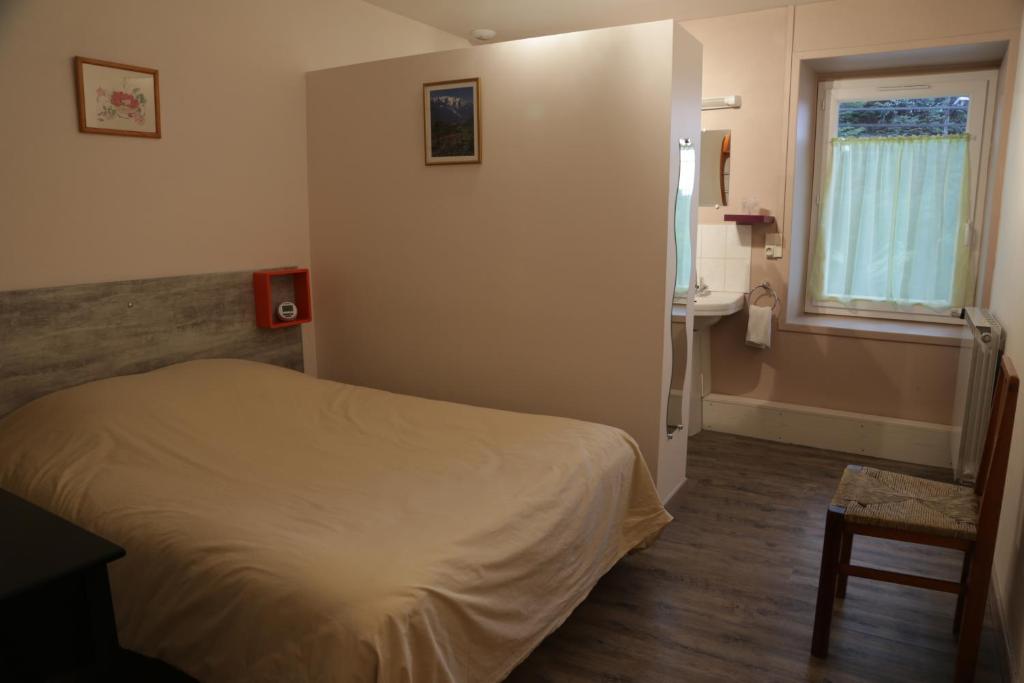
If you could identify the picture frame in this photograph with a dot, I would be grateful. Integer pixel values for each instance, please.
(451, 122)
(117, 99)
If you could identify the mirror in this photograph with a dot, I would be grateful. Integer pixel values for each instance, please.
(714, 167)
(684, 237)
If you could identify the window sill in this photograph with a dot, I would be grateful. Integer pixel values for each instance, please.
(905, 331)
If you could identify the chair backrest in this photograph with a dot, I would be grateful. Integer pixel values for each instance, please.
(992, 473)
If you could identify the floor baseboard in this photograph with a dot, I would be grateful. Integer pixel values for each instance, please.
(922, 443)
(673, 493)
(1005, 648)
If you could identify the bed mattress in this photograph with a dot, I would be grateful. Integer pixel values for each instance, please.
(284, 528)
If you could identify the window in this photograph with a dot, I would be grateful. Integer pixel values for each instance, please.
(896, 216)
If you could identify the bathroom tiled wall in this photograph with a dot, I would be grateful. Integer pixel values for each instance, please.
(723, 256)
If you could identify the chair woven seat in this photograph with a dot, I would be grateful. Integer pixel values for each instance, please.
(898, 501)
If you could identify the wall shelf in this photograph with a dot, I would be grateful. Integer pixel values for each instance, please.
(749, 218)
(271, 288)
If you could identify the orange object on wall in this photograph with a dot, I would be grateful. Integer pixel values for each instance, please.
(266, 305)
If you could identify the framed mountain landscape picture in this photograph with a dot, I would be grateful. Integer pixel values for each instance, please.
(117, 99)
(451, 122)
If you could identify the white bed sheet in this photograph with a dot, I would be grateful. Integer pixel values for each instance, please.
(283, 528)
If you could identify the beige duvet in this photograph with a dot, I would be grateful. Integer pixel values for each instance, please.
(282, 528)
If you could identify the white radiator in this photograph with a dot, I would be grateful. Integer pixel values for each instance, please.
(981, 346)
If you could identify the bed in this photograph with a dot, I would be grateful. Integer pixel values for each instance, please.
(285, 528)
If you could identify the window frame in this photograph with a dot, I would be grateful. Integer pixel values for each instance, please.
(980, 86)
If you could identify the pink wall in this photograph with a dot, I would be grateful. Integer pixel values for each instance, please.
(871, 23)
(751, 55)
(535, 281)
(1006, 302)
(225, 188)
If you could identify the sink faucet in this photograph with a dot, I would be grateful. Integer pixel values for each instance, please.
(702, 288)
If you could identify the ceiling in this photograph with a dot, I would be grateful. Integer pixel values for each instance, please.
(525, 18)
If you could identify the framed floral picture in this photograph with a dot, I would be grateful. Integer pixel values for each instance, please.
(117, 99)
(451, 122)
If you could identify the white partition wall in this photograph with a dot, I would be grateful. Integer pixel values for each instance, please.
(534, 281)
(682, 224)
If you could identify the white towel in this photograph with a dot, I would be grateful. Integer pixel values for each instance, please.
(759, 327)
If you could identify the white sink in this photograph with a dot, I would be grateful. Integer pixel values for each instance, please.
(719, 303)
(710, 308)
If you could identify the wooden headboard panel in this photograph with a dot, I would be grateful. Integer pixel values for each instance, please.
(63, 336)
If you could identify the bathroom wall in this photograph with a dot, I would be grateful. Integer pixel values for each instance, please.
(225, 188)
(534, 281)
(723, 256)
(1006, 302)
(750, 55)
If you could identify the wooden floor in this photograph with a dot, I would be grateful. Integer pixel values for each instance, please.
(727, 593)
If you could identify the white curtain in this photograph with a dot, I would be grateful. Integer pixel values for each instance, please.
(893, 224)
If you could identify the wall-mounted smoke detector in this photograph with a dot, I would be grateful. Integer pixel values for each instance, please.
(483, 34)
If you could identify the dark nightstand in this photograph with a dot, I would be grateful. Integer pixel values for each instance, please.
(56, 616)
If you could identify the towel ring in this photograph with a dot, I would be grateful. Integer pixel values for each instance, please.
(767, 287)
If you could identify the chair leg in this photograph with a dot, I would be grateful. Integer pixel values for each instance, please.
(827, 581)
(973, 622)
(845, 551)
(958, 617)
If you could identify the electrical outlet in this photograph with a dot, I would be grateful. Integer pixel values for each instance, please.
(773, 251)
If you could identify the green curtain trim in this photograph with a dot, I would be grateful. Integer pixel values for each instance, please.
(902, 139)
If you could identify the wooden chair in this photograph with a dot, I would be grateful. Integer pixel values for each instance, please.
(895, 506)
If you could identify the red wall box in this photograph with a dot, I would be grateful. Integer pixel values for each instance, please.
(266, 305)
